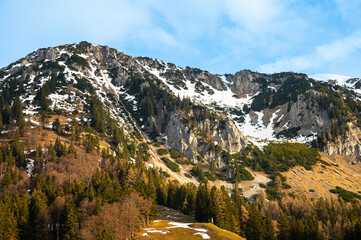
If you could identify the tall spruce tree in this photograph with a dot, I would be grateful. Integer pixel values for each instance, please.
(255, 224)
(202, 204)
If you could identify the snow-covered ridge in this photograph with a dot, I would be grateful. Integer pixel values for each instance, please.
(341, 80)
(218, 92)
(326, 77)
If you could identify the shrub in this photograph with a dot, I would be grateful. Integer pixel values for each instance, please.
(78, 60)
(172, 165)
(187, 175)
(346, 195)
(162, 151)
(174, 154)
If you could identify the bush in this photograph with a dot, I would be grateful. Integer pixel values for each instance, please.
(187, 175)
(346, 195)
(262, 185)
(281, 157)
(172, 165)
(138, 135)
(210, 176)
(245, 174)
(286, 186)
(162, 151)
(197, 171)
(174, 154)
(78, 60)
(288, 133)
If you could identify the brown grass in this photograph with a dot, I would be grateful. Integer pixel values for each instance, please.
(167, 215)
(317, 182)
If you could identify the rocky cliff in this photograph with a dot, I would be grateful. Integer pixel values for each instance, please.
(348, 144)
(204, 140)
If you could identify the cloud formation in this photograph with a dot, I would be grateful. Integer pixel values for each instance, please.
(336, 50)
(220, 36)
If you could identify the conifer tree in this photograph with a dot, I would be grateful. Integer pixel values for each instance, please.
(217, 207)
(22, 215)
(17, 109)
(283, 227)
(6, 114)
(269, 229)
(1, 121)
(57, 125)
(202, 204)
(8, 223)
(255, 224)
(39, 214)
(71, 225)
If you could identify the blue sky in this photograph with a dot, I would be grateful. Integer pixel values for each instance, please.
(218, 36)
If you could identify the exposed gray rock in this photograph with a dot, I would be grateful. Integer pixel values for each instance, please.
(204, 76)
(347, 145)
(306, 114)
(185, 138)
(243, 82)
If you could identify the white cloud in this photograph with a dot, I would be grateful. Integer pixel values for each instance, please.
(350, 9)
(337, 50)
(254, 15)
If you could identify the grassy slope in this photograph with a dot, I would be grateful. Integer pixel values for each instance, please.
(168, 231)
(322, 178)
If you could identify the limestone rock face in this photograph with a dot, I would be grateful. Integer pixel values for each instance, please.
(347, 145)
(243, 82)
(304, 113)
(230, 137)
(185, 138)
(204, 76)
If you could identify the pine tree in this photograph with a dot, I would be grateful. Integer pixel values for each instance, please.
(22, 215)
(8, 223)
(71, 225)
(171, 197)
(255, 224)
(202, 204)
(283, 227)
(269, 229)
(17, 109)
(57, 125)
(39, 214)
(1, 121)
(217, 207)
(6, 114)
(18, 150)
(42, 98)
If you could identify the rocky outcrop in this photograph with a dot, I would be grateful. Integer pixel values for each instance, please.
(206, 77)
(195, 141)
(243, 82)
(347, 145)
(305, 113)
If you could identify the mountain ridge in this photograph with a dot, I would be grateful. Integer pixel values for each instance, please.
(95, 138)
(249, 98)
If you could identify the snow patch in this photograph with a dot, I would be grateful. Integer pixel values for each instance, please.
(29, 166)
(203, 235)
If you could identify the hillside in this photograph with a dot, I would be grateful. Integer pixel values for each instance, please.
(171, 224)
(93, 139)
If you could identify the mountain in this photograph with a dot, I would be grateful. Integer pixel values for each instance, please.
(262, 106)
(90, 123)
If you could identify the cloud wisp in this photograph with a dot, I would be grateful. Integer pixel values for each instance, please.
(322, 55)
(219, 36)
